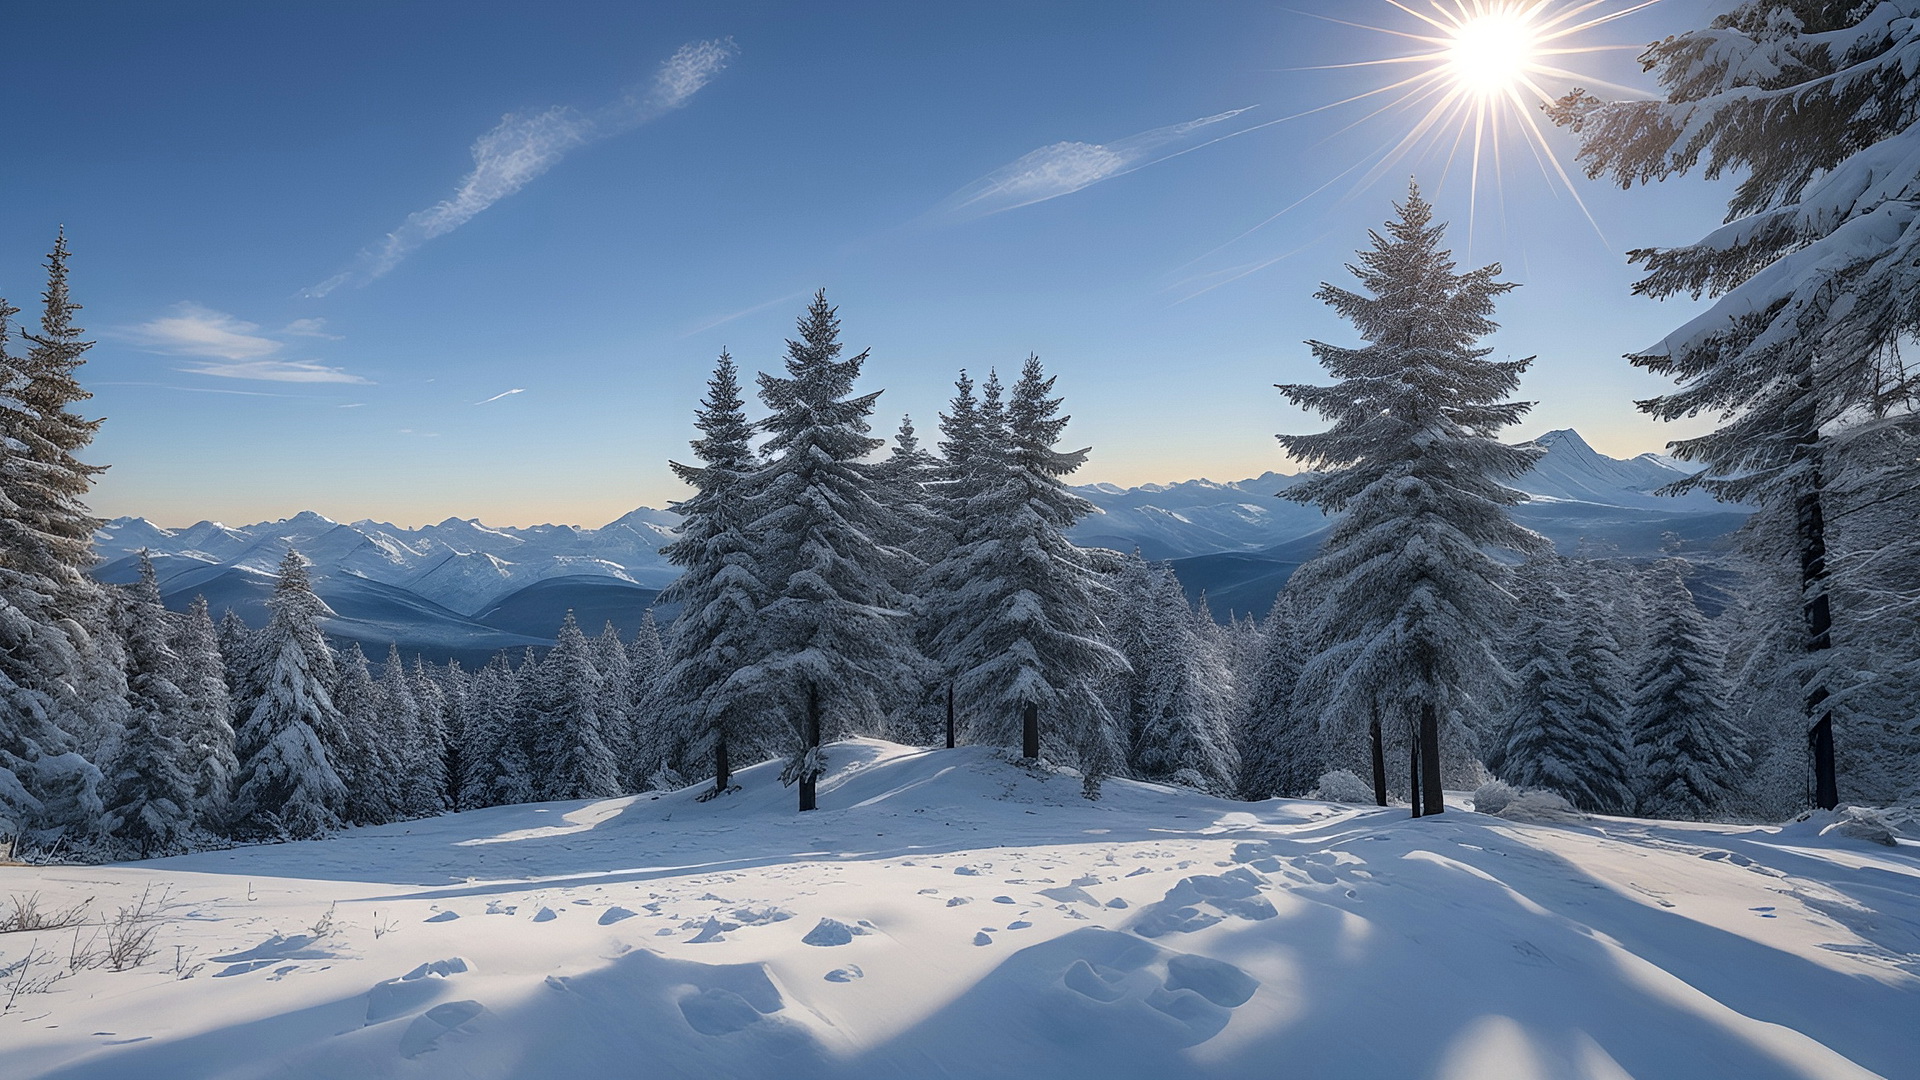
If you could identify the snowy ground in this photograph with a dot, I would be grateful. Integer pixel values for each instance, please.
(949, 914)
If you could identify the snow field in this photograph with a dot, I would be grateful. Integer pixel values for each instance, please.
(948, 913)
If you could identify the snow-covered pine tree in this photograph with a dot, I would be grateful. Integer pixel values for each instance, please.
(618, 716)
(1816, 270)
(1013, 606)
(426, 788)
(150, 807)
(398, 726)
(368, 762)
(455, 686)
(1279, 740)
(287, 783)
(1688, 750)
(578, 764)
(1178, 698)
(1565, 727)
(495, 768)
(1406, 599)
(208, 730)
(703, 716)
(833, 641)
(62, 683)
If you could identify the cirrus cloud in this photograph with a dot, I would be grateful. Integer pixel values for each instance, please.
(525, 145)
(228, 347)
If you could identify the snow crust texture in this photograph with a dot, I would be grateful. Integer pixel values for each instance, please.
(948, 914)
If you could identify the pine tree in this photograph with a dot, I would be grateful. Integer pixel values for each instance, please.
(833, 641)
(151, 807)
(1566, 727)
(457, 686)
(1279, 741)
(496, 770)
(618, 716)
(1816, 271)
(703, 713)
(1177, 699)
(1688, 750)
(208, 730)
(427, 758)
(1406, 599)
(1012, 607)
(577, 763)
(62, 683)
(369, 760)
(288, 785)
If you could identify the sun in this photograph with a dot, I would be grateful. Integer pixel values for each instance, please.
(1492, 53)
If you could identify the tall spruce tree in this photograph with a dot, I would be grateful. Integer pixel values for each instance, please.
(288, 785)
(704, 716)
(427, 783)
(1816, 272)
(1013, 606)
(152, 798)
(832, 654)
(1279, 741)
(369, 760)
(577, 761)
(1407, 600)
(1688, 751)
(209, 726)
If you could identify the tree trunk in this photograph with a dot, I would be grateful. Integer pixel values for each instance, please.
(1030, 733)
(1435, 802)
(1379, 762)
(1413, 775)
(949, 715)
(722, 771)
(808, 777)
(1815, 609)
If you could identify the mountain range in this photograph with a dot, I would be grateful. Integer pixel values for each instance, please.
(466, 590)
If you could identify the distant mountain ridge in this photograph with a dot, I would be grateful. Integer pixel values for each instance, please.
(462, 588)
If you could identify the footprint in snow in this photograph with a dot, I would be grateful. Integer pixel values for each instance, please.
(981, 938)
(830, 932)
(845, 974)
(545, 914)
(615, 914)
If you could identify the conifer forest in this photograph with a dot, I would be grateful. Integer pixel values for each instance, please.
(1436, 794)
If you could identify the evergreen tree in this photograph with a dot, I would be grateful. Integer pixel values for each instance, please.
(1688, 750)
(1012, 607)
(1566, 726)
(457, 687)
(577, 762)
(288, 785)
(495, 769)
(1406, 598)
(704, 714)
(208, 730)
(618, 715)
(1177, 699)
(369, 760)
(1816, 271)
(426, 789)
(1279, 741)
(151, 808)
(832, 654)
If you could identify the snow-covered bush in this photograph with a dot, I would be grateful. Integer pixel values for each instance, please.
(1342, 786)
(1863, 823)
(1493, 797)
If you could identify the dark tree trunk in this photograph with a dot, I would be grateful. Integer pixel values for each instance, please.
(1030, 733)
(1379, 762)
(722, 771)
(1435, 797)
(1413, 776)
(1810, 519)
(949, 716)
(807, 776)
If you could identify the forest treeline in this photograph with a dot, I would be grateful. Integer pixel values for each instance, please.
(834, 585)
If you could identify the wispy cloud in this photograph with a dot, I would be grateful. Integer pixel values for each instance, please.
(295, 371)
(312, 328)
(222, 345)
(526, 144)
(501, 394)
(743, 313)
(1066, 167)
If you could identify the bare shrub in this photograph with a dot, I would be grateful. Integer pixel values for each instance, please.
(23, 914)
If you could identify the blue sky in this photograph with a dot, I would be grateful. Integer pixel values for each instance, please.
(315, 255)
